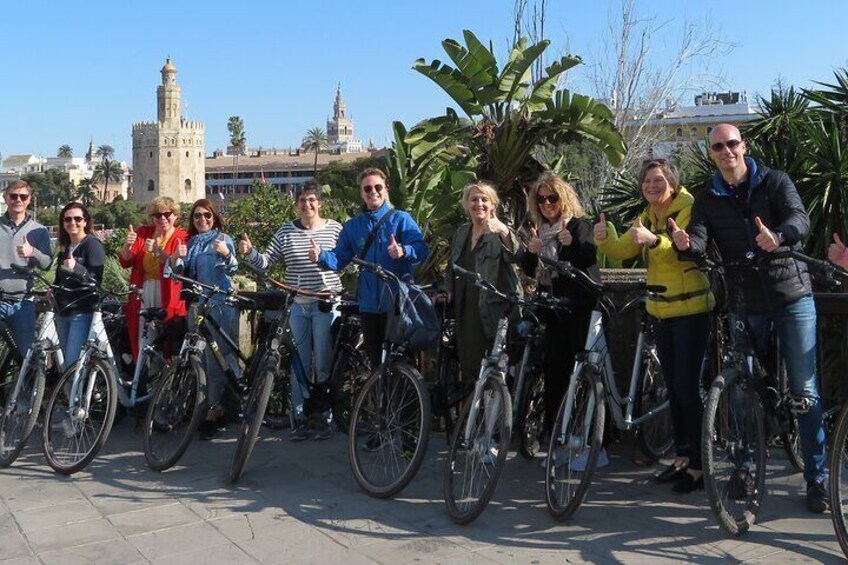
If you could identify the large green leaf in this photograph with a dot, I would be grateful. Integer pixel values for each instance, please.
(476, 63)
(452, 82)
(516, 75)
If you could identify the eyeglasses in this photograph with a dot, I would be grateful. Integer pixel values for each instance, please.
(160, 215)
(368, 188)
(75, 219)
(22, 196)
(730, 144)
(199, 215)
(549, 199)
(311, 200)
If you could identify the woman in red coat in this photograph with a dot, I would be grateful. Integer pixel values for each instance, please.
(146, 251)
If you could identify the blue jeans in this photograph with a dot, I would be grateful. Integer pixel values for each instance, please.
(216, 379)
(73, 333)
(796, 328)
(20, 317)
(311, 335)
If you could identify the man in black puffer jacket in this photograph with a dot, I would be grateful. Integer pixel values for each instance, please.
(747, 207)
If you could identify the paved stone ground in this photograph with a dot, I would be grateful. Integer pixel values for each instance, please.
(299, 503)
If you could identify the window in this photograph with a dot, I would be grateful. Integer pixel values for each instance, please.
(678, 133)
(187, 185)
(709, 130)
(693, 132)
(150, 186)
(186, 153)
(151, 154)
(169, 153)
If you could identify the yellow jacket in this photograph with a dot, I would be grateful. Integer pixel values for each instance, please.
(687, 288)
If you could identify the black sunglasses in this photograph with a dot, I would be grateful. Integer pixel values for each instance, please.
(207, 215)
(159, 215)
(75, 219)
(730, 144)
(550, 199)
(368, 188)
(22, 196)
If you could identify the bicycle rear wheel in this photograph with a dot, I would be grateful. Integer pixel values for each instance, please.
(734, 452)
(349, 374)
(389, 430)
(532, 420)
(73, 435)
(655, 435)
(174, 413)
(839, 479)
(21, 410)
(576, 441)
(475, 460)
(254, 412)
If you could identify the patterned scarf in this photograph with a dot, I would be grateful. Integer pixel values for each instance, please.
(549, 234)
(197, 245)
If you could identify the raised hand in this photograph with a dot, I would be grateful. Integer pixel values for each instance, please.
(395, 249)
(131, 237)
(314, 252)
(181, 250)
(837, 252)
(70, 263)
(24, 248)
(678, 236)
(220, 246)
(494, 225)
(244, 245)
(564, 236)
(766, 239)
(599, 230)
(148, 244)
(640, 234)
(535, 245)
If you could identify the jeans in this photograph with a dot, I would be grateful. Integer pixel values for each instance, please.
(681, 343)
(310, 329)
(216, 379)
(20, 317)
(796, 328)
(73, 332)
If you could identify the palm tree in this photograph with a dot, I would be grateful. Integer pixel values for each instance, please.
(105, 152)
(85, 192)
(235, 125)
(315, 140)
(65, 152)
(107, 171)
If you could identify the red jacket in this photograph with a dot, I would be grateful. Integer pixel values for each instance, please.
(171, 302)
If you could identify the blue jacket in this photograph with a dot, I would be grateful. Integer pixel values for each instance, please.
(207, 266)
(352, 239)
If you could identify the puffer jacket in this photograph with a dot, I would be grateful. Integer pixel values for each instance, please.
(687, 288)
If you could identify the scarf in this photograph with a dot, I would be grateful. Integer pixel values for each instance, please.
(549, 234)
(197, 245)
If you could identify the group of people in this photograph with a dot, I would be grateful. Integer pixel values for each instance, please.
(746, 207)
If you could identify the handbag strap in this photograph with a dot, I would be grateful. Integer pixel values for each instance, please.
(373, 234)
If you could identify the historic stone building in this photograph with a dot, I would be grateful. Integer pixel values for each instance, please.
(168, 155)
(340, 128)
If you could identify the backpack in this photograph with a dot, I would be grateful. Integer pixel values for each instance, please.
(414, 319)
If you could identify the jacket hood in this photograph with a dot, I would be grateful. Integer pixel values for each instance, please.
(682, 200)
(756, 172)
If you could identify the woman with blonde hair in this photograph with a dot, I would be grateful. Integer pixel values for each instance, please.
(561, 232)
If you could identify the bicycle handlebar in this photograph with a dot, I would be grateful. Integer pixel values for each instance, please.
(535, 303)
(828, 270)
(597, 289)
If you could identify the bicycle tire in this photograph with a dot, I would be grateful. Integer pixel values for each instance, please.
(17, 421)
(104, 404)
(254, 413)
(733, 445)
(532, 419)
(568, 473)
(656, 434)
(791, 439)
(380, 432)
(465, 497)
(175, 410)
(838, 462)
(278, 414)
(350, 373)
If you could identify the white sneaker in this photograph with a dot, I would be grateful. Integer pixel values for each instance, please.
(491, 454)
(579, 462)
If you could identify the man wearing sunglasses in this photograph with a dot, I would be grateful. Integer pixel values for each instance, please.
(382, 235)
(26, 243)
(748, 207)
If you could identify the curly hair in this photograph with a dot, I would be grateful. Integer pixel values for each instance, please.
(570, 204)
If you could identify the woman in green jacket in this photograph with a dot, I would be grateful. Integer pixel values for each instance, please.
(681, 314)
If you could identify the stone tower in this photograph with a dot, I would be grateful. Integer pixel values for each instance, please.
(169, 155)
(340, 128)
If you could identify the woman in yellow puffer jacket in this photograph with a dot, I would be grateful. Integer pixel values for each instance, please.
(681, 314)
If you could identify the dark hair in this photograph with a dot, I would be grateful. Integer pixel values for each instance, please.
(64, 237)
(310, 187)
(668, 171)
(18, 184)
(217, 220)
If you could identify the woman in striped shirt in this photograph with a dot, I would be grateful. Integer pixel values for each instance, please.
(310, 325)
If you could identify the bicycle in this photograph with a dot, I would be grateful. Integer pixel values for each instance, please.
(748, 407)
(480, 443)
(579, 426)
(389, 426)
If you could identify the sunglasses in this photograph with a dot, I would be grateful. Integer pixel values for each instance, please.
(22, 196)
(160, 215)
(730, 144)
(549, 199)
(368, 188)
(75, 219)
(199, 215)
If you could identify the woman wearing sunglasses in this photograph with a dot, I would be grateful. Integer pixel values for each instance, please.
(210, 256)
(81, 257)
(560, 231)
(146, 251)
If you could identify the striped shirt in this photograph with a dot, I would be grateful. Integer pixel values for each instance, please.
(291, 246)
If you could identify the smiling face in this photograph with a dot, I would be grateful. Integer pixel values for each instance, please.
(655, 187)
(74, 223)
(17, 199)
(727, 149)
(164, 219)
(203, 219)
(309, 206)
(373, 190)
(550, 204)
(479, 205)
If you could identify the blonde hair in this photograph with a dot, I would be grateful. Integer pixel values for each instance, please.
(570, 204)
(164, 202)
(483, 187)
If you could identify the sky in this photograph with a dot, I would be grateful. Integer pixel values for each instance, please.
(75, 71)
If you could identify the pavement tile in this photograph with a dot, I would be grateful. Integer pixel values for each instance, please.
(57, 515)
(177, 540)
(20, 561)
(12, 541)
(71, 535)
(153, 519)
(227, 554)
(427, 549)
(113, 552)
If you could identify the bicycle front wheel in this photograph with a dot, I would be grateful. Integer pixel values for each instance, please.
(478, 452)
(254, 412)
(75, 428)
(532, 424)
(389, 430)
(348, 376)
(174, 413)
(576, 441)
(734, 452)
(655, 434)
(839, 479)
(21, 411)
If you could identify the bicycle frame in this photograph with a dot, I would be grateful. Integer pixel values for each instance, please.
(492, 366)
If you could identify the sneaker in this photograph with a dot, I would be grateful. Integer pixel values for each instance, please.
(208, 429)
(687, 483)
(321, 430)
(491, 454)
(741, 485)
(818, 500)
(300, 432)
(579, 463)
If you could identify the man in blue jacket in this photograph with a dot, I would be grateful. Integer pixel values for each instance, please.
(397, 245)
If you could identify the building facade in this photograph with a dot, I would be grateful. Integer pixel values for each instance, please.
(340, 132)
(169, 154)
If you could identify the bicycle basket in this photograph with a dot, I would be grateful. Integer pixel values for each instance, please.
(413, 320)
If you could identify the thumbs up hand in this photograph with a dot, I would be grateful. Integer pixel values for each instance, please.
(244, 245)
(220, 246)
(395, 249)
(564, 236)
(535, 245)
(678, 236)
(24, 248)
(495, 226)
(600, 229)
(131, 237)
(148, 245)
(181, 250)
(640, 234)
(837, 252)
(766, 239)
(314, 252)
(70, 263)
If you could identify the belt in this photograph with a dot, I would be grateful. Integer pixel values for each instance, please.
(678, 297)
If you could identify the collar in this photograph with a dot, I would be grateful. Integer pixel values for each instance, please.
(9, 221)
(375, 215)
(721, 187)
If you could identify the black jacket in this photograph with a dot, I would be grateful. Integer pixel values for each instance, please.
(719, 215)
(89, 257)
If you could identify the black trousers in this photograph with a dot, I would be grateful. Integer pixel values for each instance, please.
(373, 332)
(564, 338)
